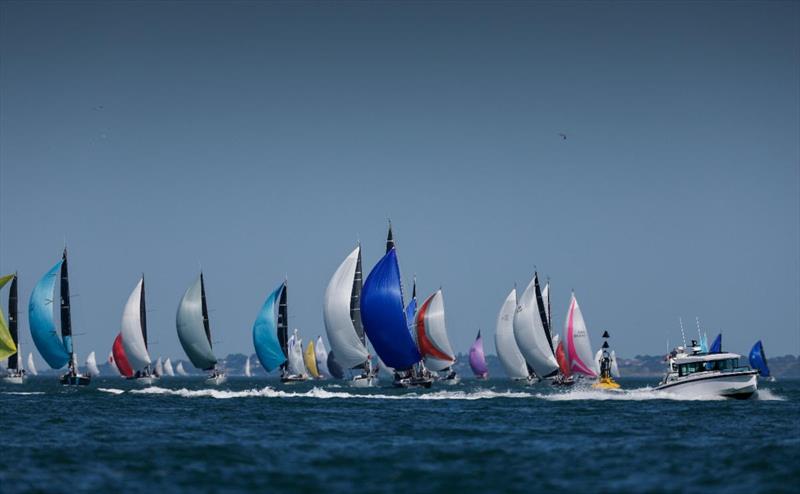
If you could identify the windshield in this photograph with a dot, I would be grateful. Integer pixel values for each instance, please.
(714, 365)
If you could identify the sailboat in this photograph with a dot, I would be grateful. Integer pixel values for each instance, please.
(295, 365)
(31, 366)
(310, 359)
(119, 359)
(341, 311)
(531, 331)
(579, 348)
(477, 359)
(384, 317)
(507, 350)
(134, 335)
(180, 370)
(111, 362)
(758, 360)
(334, 369)
(716, 345)
(169, 371)
(9, 335)
(91, 365)
(270, 334)
(564, 373)
(322, 357)
(57, 352)
(247, 371)
(194, 331)
(432, 339)
(159, 367)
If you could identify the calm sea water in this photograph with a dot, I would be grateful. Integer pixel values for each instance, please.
(257, 435)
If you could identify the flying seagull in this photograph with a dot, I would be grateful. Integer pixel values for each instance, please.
(563, 136)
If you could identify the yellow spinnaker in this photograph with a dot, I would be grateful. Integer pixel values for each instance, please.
(7, 346)
(310, 359)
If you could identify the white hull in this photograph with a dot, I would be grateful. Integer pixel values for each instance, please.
(294, 378)
(450, 382)
(216, 380)
(14, 379)
(364, 382)
(728, 385)
(144, 381)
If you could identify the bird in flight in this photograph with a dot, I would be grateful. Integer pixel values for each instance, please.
(563, 136)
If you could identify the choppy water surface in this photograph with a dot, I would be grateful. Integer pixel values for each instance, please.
(258, 435)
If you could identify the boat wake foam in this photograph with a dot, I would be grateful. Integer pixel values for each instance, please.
(640, 394)
(320, 393)
(113, 391)
(23, 393)
(765, 394)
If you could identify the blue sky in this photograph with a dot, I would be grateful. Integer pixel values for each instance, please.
(263, 140)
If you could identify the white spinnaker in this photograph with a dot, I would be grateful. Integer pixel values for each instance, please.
(159, 367)
(598, 357)
(180, 370)
(507, 349)
(31, 366)
(168, 367)
(112, 363)
(247, 371)
(296, 365)
(576, 337)
(345, 343)
(321, 354)
(556, 340)
(546, 300)
(614, 367)
(132, 337)
(529, 334)
(91, 365)
(436, 331)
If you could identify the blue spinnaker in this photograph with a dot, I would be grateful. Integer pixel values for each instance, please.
(704, 343)
(758, 360)
(265, 332)
(384, 316)
(716, 345)
(411, 311)
(40, 317)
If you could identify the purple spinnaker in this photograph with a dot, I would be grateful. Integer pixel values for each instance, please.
(477, 360)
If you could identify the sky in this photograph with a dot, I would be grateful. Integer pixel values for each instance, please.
(264, 140)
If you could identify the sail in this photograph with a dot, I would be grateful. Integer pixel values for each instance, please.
(180, 370)
(91, 365)
(758, 359)
(42, 324)
(193, 329)
(31, 365)
(411, 310)
(310, 359)
(531, 336)
(120, 359)
(541, 305)
(563, 362)
(716, 345)
(7, 345)
(546, 301)
(159, 367)
(704, 343)
(295, 357)
(384, 315)
(598, 358)
(432, 334)
(321, 354)
(477, 359)
(134, 327)
(336, 312)
(334, 369)
(111, 361)
(247, 371)
(265, 331)
(507, 349)
(614, 366)
(579, 348)
(168, 370)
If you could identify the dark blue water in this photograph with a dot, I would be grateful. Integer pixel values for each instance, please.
(475, 437)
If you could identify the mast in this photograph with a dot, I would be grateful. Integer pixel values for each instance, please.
(542, 310)
(66, 312)
(13, 360)
(283, 324)
(206, 323)
(389, 239)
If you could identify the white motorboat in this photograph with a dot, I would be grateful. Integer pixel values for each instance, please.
(708, 374)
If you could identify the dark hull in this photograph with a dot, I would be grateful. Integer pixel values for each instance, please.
(413, 383)
(68, 380)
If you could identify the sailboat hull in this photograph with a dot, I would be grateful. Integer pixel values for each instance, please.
(216, 379)
(293, 378)
(738, 385)
(75, 380)
(364, 381)
(17, 379)
(144, 381)
(413, 382)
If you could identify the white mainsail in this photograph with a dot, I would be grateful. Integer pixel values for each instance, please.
(344, 340)
(159, 367)
(31, 366)
(507, 349)
(322, 357)
(546, 300)
(168, 367)
(247, 371)
(441, 356)
(296, 365)
(598, 357)
(91, 365)
(132, 330)
(530, 336)
(180, 370)
(614, 367)
(576, 337)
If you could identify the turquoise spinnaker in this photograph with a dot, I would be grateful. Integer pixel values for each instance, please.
(265, 332)
(43, 327)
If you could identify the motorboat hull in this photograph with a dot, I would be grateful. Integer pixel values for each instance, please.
(739, 385)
